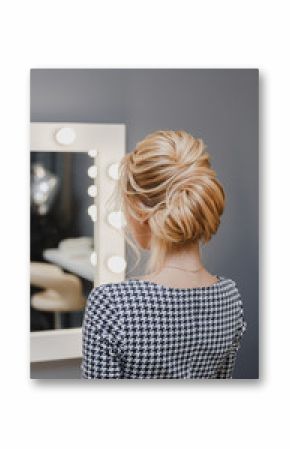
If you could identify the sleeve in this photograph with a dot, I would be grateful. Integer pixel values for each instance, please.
(228, 363)
(101, 338)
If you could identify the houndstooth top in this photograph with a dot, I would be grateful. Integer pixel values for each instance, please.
(137, 329)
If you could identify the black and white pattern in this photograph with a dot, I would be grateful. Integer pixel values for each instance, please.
(137, 329)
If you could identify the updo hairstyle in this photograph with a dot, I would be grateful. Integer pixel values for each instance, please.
(168, 180)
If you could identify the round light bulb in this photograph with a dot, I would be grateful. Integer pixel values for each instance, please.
(116, 264)
(92, 211)
(92, 171)
(113, 171)
(65, 136)
(92, 191)
(116, 219)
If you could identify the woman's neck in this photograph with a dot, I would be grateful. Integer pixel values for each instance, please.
(187, 257)
(178, 270)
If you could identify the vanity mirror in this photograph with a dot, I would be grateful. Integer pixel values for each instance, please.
(74, 168)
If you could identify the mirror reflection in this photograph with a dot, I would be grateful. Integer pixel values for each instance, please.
(62, 255)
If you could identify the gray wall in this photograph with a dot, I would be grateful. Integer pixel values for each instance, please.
(221, 106)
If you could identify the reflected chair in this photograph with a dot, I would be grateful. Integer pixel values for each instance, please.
(63, 292)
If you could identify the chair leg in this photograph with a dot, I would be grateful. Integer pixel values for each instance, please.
(57, 320)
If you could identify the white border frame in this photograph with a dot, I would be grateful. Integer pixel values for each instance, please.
(110, 142)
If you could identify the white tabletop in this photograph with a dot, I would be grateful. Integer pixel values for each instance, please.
(79, 264)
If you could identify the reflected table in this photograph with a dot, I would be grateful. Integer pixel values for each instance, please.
(79, 264)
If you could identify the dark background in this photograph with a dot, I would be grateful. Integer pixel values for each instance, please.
(219, 105)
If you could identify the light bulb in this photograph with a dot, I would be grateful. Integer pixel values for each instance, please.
(65, 136)
(116, 264)
(116, 219)
(92, 211)
(92, 171)
(92, 191)
(113, 171)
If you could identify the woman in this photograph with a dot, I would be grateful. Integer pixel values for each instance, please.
(178, 321)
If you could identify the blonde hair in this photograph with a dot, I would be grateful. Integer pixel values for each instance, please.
(168, 180)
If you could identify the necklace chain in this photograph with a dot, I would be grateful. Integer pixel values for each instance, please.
(183, 269)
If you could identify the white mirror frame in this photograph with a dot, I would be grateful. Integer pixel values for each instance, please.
(109, 141)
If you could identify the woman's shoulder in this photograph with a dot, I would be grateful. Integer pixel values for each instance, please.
(111, 298)
(109, 286)
(110, 292)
